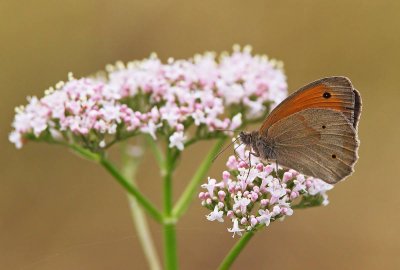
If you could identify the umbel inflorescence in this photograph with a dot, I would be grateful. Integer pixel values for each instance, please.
(254, 196)
(208, 92)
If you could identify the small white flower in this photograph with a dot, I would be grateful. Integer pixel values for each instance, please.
(241, 203)
(319, 187)
(276, 210)
(215, 215)
(212, 183)
(325, 201)
(299, 186)
(198, 117)
(264, 217)
(151, 129)
(266, 181)
(285, 206)
(102, 144)
(276, 189)
(170, 113)
(247, 176)
(235, 228)
(16, 138)
(177, 140)
(236, 121)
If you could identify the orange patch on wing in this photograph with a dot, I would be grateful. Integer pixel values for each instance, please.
(307, 99)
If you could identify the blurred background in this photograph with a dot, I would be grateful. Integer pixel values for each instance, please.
(58, 211)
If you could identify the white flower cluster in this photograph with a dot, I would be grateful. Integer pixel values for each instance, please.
(148, 96)
(255, 196)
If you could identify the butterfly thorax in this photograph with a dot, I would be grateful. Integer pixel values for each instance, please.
(260, 145)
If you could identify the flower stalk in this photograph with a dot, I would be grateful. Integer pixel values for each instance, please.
(170, 242)
(236, 250)
(130, 165)
(144, 202)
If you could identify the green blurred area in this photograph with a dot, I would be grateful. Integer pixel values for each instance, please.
(58, 211)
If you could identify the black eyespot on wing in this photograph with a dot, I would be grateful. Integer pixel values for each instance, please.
(333, 156)
(327, 95)
(323, 127)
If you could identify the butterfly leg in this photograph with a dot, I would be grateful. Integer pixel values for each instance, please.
(251, 154)
(276, 167)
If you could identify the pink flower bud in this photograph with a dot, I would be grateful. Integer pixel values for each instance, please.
(226, 175)
(268, 169)
(243, 221)
(287, 176)
(179, 127)
(238, 188)
(294, 195)
(232, 163)
(264, 202)
(221, 195)
(230, 214)
(308, 183)
(243, 164)
(253, 221)
(260, 167)
(254, 196)
(202, 196)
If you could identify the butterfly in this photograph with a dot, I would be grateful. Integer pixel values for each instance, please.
(313, 131)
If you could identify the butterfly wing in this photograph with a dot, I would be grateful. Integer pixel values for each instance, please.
(317, 142)
(335, 93)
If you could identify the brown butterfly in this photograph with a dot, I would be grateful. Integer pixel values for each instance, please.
(313, 131)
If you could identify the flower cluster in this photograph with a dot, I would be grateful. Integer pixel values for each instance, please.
(255, 196)
(207, 91)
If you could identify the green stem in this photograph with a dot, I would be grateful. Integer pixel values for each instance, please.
(85, 152)
(141, 199)
(130, 165)
(170, 243)
(190, 191)
(156, 151)
(235, 251)
(170, 246)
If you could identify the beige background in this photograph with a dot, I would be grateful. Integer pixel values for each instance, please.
(60, 212)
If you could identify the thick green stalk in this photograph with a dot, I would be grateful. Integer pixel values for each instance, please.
(190, 191)
(129, 169)
(170, 246)
(170, 243)
(235, 251)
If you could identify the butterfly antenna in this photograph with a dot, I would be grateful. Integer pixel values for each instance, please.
(236, 153)
(230, 130)
(220, 152)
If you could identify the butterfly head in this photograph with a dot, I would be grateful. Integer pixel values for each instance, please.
(261, 147)
(248, 138)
